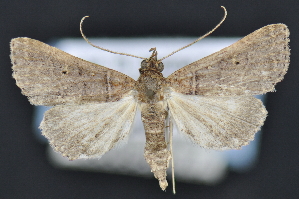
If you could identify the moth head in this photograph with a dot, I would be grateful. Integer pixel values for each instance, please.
(152, 63)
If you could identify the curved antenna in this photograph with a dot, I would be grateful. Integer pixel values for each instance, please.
(110, 51)
(200, 38)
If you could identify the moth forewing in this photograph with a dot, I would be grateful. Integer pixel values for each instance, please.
(48, 76)
(251, 66)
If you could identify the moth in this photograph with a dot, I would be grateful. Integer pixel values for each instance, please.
(210, 100)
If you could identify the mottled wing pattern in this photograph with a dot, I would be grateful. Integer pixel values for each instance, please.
(88, 130)
(49, 76)
(217, 122)
(251, 66)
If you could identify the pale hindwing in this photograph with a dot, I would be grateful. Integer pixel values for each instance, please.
(217, 122)
(49, 76)
(251, 66)
(89, 130)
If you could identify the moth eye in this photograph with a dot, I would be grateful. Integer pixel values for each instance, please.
(143, 64)
(160, 67)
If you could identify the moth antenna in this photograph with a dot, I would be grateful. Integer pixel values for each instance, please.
(110, 51)
(172, 161)
(200, 38)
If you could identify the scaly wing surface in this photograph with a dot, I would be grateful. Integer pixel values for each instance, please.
(217, 122)
(49, 76)
(251, 66)
(88, 130)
